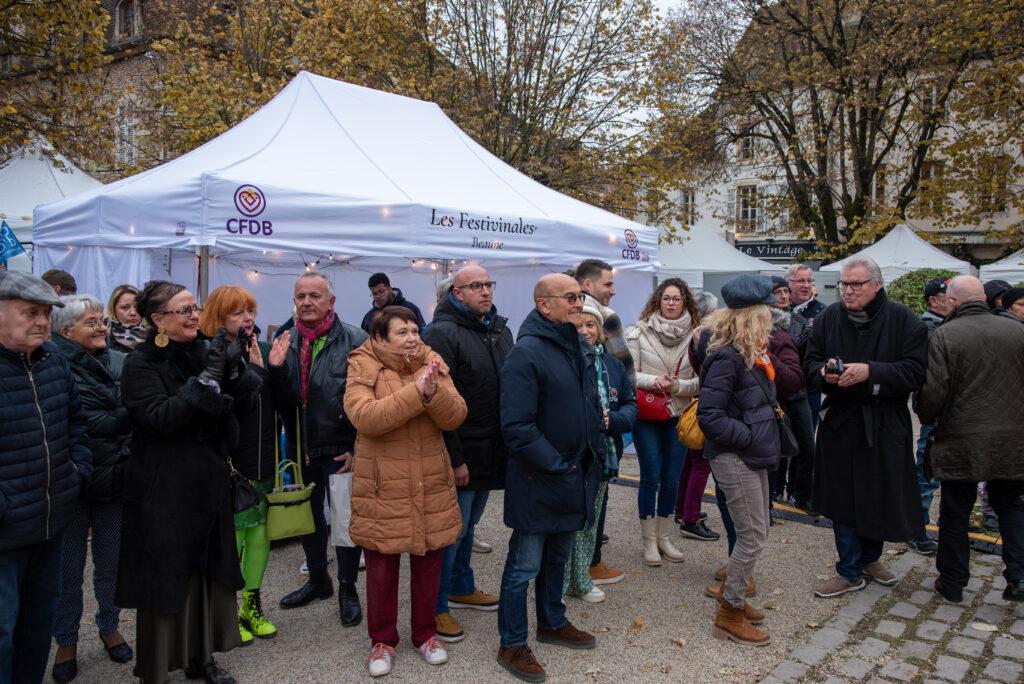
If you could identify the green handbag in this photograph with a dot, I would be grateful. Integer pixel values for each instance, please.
(289, 513)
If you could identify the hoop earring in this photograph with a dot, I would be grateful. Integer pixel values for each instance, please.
(161, 339)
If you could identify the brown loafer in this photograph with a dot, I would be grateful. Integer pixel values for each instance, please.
(567, 636)
(519, 661)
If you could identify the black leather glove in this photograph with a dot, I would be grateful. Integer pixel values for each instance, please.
(216, 356)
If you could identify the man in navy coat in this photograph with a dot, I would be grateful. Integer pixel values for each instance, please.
(551, 422)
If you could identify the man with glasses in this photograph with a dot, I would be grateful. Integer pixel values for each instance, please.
(865, 477)
(551, 422)
(801, 292)
(385, 295)
(473, 340)
(44, 462)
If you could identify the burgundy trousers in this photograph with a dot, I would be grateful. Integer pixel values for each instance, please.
(692, 481)
(382, 595)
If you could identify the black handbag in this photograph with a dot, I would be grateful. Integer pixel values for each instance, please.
(243, 496)
(789, 447)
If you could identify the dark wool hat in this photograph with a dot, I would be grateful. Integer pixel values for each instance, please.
(935, 286)
(748, 290)
(993, 289)
(778, 282)
(1012, 295)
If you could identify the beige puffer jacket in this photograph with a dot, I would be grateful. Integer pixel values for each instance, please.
(652, 359)
(403, 488)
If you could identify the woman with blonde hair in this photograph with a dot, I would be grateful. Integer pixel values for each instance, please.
(742, 439)
(123, 321)
(658, 344)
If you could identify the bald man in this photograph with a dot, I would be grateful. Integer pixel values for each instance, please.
(974, 387)
(551, 422)
(473, 340)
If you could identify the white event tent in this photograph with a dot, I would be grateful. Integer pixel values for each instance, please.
(1010, 269)
(33, 175)
(902, 251)
(700, 250)
(350, 181)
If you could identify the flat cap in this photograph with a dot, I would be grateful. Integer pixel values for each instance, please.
(747, 290)
(22, 285)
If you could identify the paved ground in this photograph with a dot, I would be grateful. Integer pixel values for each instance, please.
(656, 625)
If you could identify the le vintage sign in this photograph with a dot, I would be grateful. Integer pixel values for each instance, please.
(774, 250)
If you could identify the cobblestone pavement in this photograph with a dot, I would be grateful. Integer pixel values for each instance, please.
(909, 633)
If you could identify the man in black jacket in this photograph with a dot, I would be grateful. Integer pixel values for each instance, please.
(385, 295)
(473, 340)
(318, 364)
(44, 461)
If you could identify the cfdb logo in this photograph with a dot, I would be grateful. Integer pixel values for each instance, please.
(250, 202)
(631, 252)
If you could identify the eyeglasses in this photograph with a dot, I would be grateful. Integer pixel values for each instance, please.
(476, 285)
(571, 298)
(805, 281)
(94, 323)
(853, 285)
(185, 311)
(671, 300)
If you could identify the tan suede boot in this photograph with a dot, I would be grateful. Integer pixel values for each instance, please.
(752, 614)
(668, 552)
(731, 624)
(715, 590)
(649, 533)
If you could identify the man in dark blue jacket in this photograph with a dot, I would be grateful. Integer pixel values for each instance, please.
(551, 421)
(385, 295)
(43, 463)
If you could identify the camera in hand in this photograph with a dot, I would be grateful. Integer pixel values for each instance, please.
(836, 368)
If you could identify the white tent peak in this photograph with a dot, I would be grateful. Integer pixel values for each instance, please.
(1010, 269)
(902, 251)
(702, 250)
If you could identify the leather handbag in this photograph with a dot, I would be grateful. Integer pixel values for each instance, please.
(243, 496)
(653, 405)
(289, 513)
(690, 434)
(788, 446)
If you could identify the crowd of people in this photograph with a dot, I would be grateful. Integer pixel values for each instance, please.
(150, 427)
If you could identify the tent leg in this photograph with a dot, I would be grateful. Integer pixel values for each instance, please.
(204, 273)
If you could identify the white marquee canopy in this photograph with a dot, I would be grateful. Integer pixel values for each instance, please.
(701, 250)
(353, 179)
(1010, 269)
(902, 251)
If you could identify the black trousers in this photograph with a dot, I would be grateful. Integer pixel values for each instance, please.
(955, 505)
(315, 544)
(801, 468)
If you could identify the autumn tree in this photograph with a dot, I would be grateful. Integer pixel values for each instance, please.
(839, 99)
(51, 54)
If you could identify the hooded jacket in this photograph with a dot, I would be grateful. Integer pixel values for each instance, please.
(474, 352)
(551, 420)
(403, 488)
(399, 300)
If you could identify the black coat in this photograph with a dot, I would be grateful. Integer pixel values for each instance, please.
(551, 420)
(734, 413)
(865, 473)
(257, 419)
(399, 300)
(43, 453)
(177, 519)
(474, 351)
(110, 428)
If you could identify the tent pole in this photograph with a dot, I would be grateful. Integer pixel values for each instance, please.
(204, 273)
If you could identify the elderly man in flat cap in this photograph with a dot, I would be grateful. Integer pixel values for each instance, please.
(43, 462)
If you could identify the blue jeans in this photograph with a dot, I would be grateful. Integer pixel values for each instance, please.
(456, 573)
(661, 460)
(854, 552)
(723, 509)
(928, 487)
(29, 591)
(533, 555)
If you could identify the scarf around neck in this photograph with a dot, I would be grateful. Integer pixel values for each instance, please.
(670, 332)
(764, 362)
(309, 338)
(127, 335)
(611, 461)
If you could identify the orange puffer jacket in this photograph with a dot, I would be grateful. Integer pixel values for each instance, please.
(403, 488)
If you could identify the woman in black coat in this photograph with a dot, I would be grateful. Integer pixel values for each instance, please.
(742, 439)
(80, 334)
(178, 562)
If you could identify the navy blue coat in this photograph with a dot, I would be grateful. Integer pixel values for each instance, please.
(551, 420)
(734, 413)
(400, 300)
(43, 454)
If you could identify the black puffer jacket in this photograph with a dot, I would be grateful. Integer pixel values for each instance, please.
(110, 428)
(474, 351)
(43, 451)
(734, 413)
(257, 419)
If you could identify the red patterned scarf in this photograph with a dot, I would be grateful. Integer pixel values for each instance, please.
(309, 336)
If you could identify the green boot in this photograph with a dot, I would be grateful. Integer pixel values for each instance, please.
(252, 615)
(247, 637)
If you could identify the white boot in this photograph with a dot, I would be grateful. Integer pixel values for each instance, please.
(668, 552)
(649, 532)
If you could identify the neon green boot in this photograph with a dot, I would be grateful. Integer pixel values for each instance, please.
(252, 615)
(247, 637)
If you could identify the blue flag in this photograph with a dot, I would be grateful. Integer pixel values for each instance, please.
(9, 245)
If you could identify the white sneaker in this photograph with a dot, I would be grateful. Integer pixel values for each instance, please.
(304, 569)
(595, 595)
(381, 656)
(433, 651)
(362, 560)
(481, 547)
